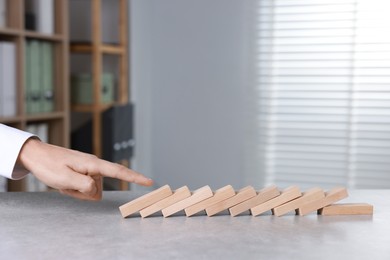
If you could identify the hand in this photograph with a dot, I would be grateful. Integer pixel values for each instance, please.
(73, 173)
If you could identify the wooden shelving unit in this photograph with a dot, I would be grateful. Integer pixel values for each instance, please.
(97, 49)
(14, 31)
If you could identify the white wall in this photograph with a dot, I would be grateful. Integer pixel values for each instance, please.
(191, 80)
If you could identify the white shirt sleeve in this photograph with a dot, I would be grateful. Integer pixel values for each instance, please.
(11, 142)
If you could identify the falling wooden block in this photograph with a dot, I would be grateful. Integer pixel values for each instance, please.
(308, 196)
(347, 209)
(197, 196)
(242, 195)
(262, 196)
(288, 194)
(178, 195)
(332, 196)
(219, 195)
(145, 201)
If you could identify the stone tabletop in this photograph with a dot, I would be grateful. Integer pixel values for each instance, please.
(48, 225)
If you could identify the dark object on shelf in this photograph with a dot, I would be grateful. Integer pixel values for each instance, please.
(117, 133)
(30, 21)
(81, 139)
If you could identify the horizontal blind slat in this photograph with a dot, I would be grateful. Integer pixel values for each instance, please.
(324, 91)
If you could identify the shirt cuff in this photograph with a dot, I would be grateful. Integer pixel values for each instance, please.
(12, 141)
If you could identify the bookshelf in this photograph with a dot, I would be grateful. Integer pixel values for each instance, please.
(92, 46)
(13, 30)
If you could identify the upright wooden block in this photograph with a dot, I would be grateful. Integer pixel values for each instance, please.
(332, 196)
(219, 195)
(288, 194)
(347, 209)
(262, 196)
(179, 195)
(308, 196)
(145, 201)
(198, 195)
(242, 195)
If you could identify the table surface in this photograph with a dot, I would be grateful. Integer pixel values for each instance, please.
(51, 226)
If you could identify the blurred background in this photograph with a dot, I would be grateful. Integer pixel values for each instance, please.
(205, 92)
(259, 92)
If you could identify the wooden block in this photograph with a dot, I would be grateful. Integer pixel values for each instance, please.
(347, 209)
(331, 196)
(288, 194)
(242, 195)
(219, 195)
(145, 201)
(178, 195)
(197, 196)
(262, 196)
(308, 196)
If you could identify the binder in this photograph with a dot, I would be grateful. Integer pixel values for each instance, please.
(29, 15)
(44, 13)
(81, 89)
(8, 79)
(107, 95)
(81, 138)
(3, 13)
(47, 90)
(117, 133)
(34, 83)
(27, 77)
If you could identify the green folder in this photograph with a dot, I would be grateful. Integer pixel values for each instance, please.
(107, 95)
(35, 77)
(81, 89)
(47, 89)
(27, 77)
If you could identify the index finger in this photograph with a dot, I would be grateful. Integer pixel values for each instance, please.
(117, 171)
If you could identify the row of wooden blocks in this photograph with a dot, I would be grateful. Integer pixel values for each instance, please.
(247, 199)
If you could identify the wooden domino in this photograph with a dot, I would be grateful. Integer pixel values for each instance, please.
(226, 198)
(198, 195)
(332, 196)
(177, 196)
(262, 196)
(242, 195)
(308, 196)
(145, 201)
(347, 209)
(219, 195)
(288, 194)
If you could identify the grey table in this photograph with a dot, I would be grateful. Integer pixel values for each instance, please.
(52, 226)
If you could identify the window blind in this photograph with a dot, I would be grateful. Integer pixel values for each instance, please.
(323, 89)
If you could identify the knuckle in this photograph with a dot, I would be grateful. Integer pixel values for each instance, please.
(89, 185)
(91, 157)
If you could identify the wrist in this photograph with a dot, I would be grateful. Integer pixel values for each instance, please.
(29, 148)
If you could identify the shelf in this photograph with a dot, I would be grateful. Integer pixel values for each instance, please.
(45, 116)
(91, 108)
(104, 48)
(10, 120)
(112, 49)
(52, 127)
(10, 31)
(96, 52)
(41, 36)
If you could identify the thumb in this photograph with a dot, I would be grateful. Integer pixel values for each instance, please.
(83, 183)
